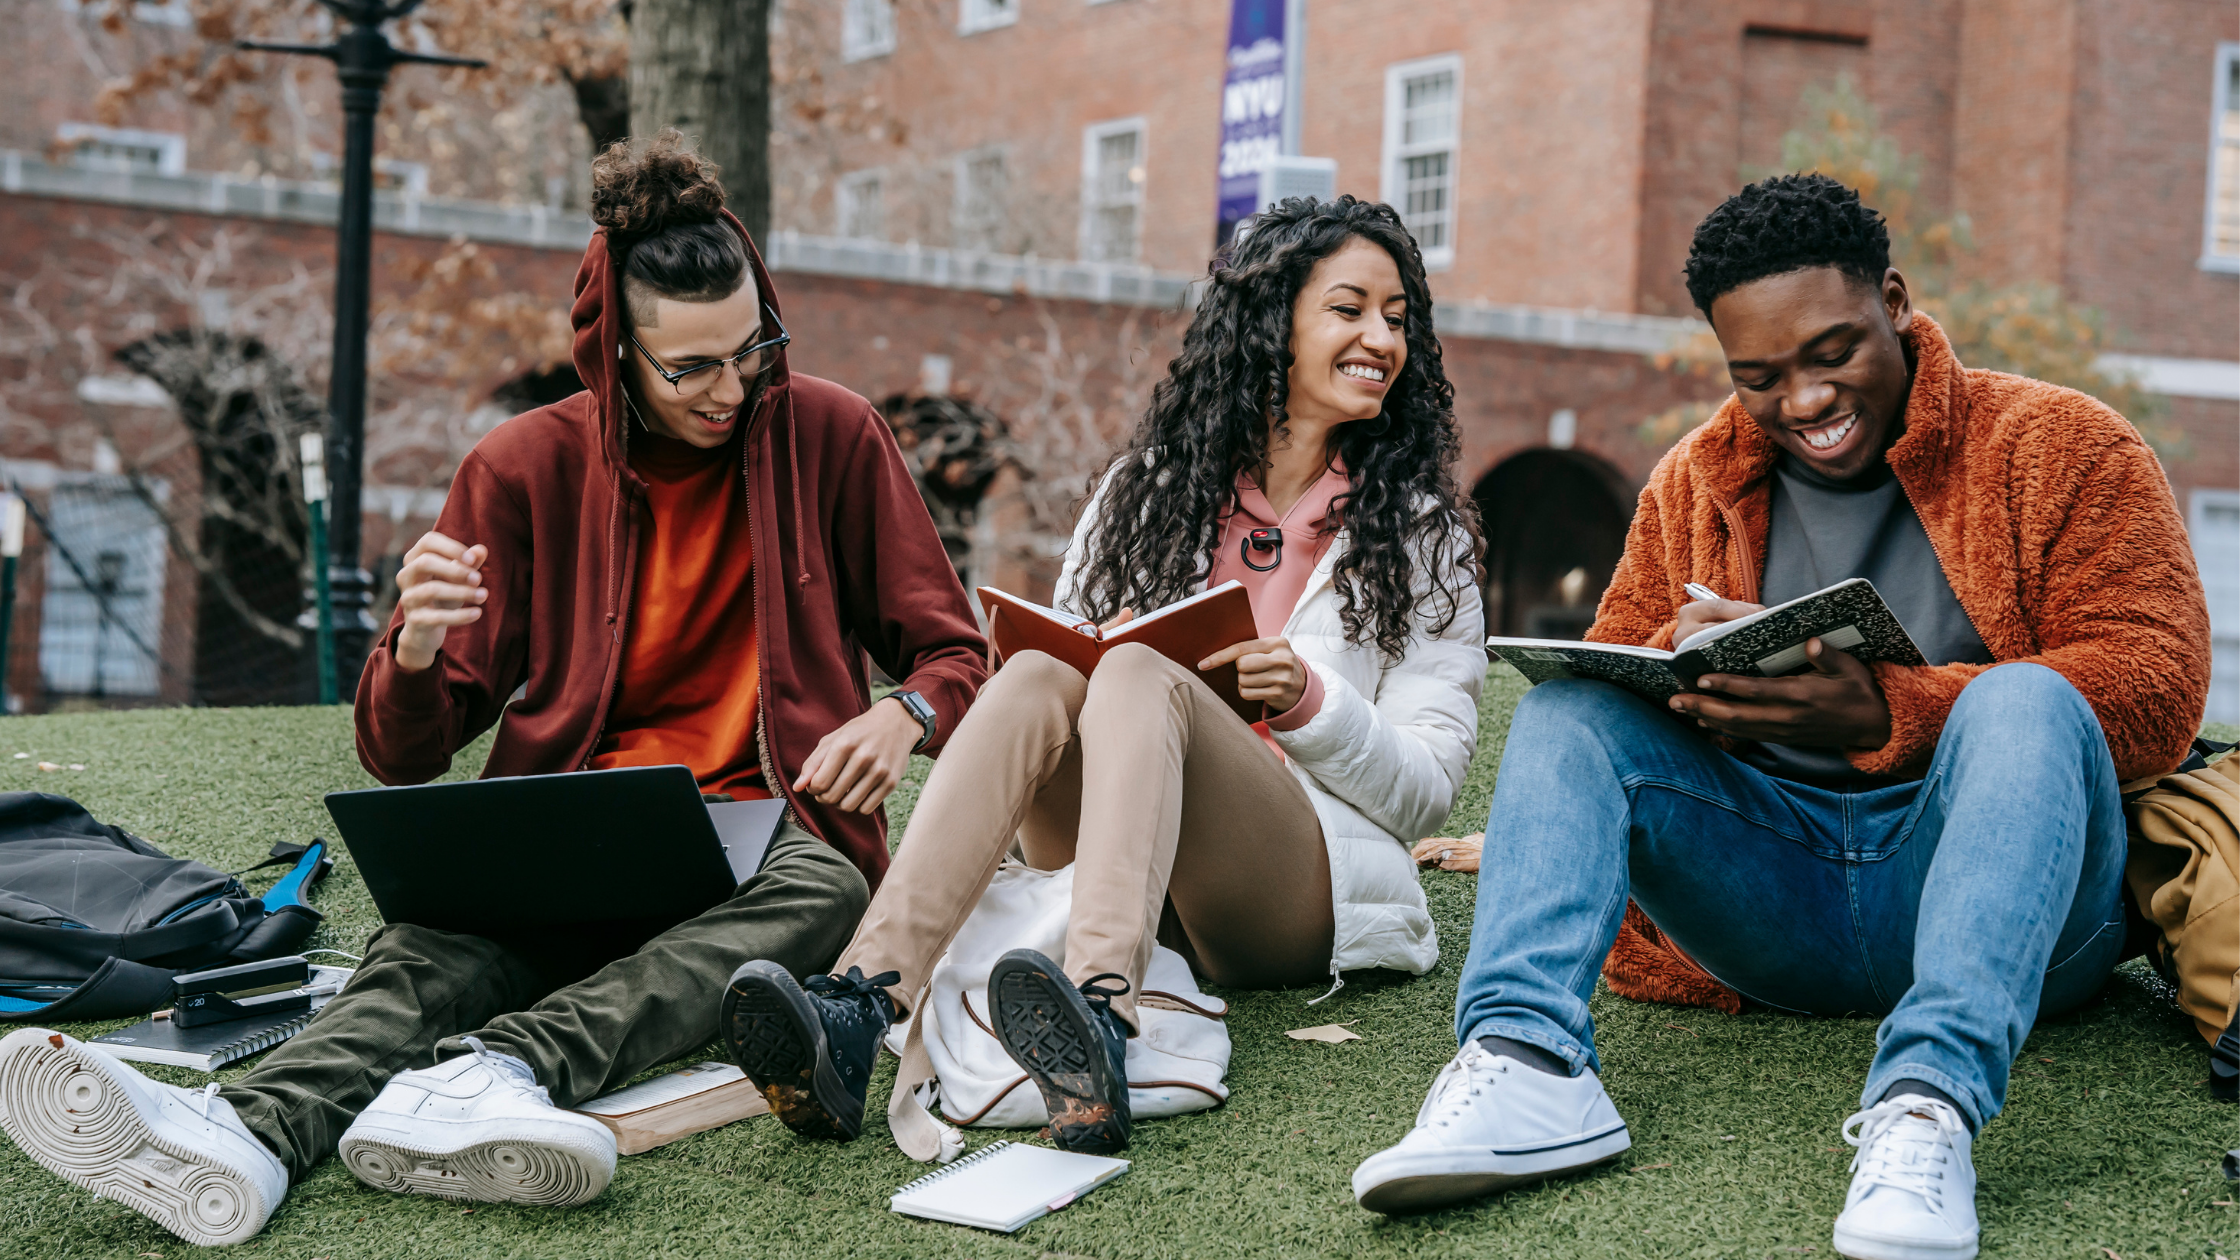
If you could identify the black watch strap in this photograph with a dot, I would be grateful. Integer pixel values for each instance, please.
(917, 707)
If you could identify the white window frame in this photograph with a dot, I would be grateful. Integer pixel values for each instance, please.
(975, 16)
(862, 34)
(1396, 153)
(170, 146)
(962, 205)
(1092, 198)
(2221, 103)
(847, 201)
(2215, 556)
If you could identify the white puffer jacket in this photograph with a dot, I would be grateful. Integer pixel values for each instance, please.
(1385, 755)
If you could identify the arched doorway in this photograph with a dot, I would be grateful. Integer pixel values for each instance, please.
(1555, 525)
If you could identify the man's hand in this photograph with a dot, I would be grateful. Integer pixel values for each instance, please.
(440, 586)
(1837, 705)
(1267, 671)
(856, 766)
(1706, 613)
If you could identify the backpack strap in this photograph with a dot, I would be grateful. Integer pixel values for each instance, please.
(118, 989)
(311, 865)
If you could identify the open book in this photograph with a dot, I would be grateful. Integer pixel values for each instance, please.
(1185, 632)
(1768, 643)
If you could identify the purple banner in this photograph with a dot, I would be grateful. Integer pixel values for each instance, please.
(1252, 101)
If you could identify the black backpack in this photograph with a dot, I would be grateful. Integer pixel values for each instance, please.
(95, 921)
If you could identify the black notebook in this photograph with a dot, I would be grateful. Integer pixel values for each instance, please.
(1766, 644)
(212, 1046)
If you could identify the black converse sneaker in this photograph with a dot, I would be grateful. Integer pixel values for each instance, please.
(1070, 1042)
(808, 1047)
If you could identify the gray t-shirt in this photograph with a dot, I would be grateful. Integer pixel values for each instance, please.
(1824, 532)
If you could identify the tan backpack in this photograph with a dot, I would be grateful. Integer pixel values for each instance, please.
(2184, 874)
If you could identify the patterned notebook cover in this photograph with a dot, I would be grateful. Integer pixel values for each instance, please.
(1849, 615)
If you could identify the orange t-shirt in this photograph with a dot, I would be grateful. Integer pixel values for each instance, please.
(688, 690)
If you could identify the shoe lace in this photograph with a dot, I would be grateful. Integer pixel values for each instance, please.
(1467, 1075)
(207, 1094)
(1099, 990)
(1905, 1143)
(873, 989)
(506, 1066)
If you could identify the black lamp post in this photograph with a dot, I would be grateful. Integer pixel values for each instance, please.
(362, 56)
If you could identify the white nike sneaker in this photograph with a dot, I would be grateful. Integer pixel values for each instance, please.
(1913, 1187)
(1489, 1123)
(478, 1126)
(179, 1157)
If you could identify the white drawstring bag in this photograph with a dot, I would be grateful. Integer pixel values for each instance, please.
(951, 1057)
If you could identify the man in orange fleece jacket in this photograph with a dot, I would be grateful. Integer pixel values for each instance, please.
(1940, 844)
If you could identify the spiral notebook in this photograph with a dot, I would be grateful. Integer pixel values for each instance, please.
(1003, 1186)
(208, 1047)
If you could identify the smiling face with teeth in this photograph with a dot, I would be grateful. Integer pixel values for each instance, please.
(1817, 360)
(680, 334)
(1347, 344)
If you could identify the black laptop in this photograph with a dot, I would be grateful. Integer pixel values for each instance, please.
(496, 856)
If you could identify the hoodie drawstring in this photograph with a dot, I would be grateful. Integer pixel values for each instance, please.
(793, 461)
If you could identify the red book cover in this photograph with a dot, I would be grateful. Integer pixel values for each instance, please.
(1185, 632)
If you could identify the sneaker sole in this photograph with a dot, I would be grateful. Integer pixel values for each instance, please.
(772, 1030)
(1419, 1183)
(1870, 1247)
(550, 1170)
(1047, 1028)
(65, 1108)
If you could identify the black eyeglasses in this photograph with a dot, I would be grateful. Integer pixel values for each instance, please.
(695, 377)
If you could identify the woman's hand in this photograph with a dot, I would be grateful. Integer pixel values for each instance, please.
(1450, 853)
(440, 586)
(1267, 671)
(1119, 619)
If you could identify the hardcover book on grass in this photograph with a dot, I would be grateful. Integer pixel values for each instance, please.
(678, 1104)
(1766, 644)
(208, 1047)
(1185, 632)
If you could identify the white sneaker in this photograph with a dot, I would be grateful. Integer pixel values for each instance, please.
(1913, 1188)
(1489, 1123)
(179, 1157)
(478, 1127)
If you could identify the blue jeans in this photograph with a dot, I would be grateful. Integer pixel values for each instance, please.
(1956, 907)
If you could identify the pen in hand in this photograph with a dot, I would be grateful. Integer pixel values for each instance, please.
(1699, 591)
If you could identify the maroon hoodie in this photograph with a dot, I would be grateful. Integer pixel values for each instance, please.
(846, 562)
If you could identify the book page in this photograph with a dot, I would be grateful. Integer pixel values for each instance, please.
(682, 1083)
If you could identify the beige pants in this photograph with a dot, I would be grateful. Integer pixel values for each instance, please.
(1180, 823)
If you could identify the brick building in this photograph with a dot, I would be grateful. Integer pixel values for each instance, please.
(1009, 199)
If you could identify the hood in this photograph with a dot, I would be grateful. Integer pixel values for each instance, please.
(600, 343)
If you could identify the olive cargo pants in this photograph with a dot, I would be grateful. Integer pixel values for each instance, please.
(586, 1014)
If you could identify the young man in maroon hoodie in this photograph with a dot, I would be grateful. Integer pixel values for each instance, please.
(685, 563)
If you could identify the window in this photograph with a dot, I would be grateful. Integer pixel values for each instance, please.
(1112, 191)
(985, 15)
(1422, 117)
(859, 206)
(983, 187)
(123, 149)
(101, 624)
(2220, 245)
(866, 29)
(2215, 529)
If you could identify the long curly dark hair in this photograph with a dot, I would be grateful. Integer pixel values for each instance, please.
(1167, 493)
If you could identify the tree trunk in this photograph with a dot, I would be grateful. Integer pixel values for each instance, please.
(703, 67)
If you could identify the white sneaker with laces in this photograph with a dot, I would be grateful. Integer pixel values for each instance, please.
(1913, 1187)
(1489, 1123)
(479, 1127)
(179, 1157)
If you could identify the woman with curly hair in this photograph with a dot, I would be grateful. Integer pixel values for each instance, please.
(1303, 443)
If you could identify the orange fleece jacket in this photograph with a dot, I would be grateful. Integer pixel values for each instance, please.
(2052, 520)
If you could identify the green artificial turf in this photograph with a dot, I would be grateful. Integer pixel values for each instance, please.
(2108, 1147)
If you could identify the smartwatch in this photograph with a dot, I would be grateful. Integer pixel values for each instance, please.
(916, 706)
